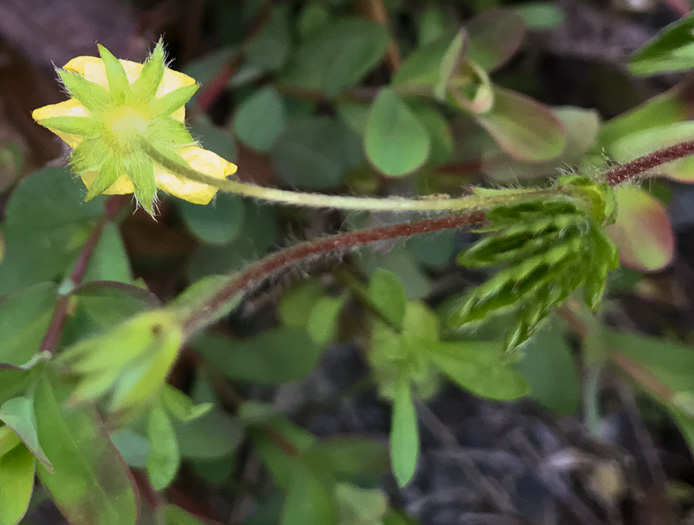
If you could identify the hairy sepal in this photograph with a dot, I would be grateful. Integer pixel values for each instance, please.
(546, 250)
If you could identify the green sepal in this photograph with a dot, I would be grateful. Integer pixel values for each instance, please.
(128, 364)
(140, 169)
(108, 174)
(82, 126)
(172, 101)
(165, 132)
(146, 86)
(91, 95)
(550, 249)
(89, 155)
(115, 74)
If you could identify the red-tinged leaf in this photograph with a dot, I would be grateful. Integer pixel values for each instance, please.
(674, 105)
(642, 231)
(494, 36)
(90, 484)
(647, 141)
(523, 128)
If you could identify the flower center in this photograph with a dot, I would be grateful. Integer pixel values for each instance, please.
(125, 127)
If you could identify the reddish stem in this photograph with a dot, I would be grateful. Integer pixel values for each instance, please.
(629, 170)
(55, 328)
(286, 258)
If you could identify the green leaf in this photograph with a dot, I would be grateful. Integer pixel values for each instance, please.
(404, 435)
(523, 128)
(103, 305)
(387, 294)
(269, 49)
(298, 300)
(274, 356)
(666, 108)
(90, 484)
(313, 17)
(423, 67)
(439, 131)
(349, 457)
(639, 143)
(260, 119)
(399, 261)
(470, 89)
(164, 459)
(133, 446)
(396, 142)
(177, 516)
(671, 50)
(181, 406)
(450, 64)
(358, 506)
(550, 370)
(338, 56)
(480, 368)
(434, 251)
(642, 230)
(214, 138)
(322, 319)
(309, 499)
(24, 319)
(219, 222)
(109, 261)
(17, 469)
(540, 15)
(211, 436)
(494, 37)
(432, 23)
(45, 226)
(260, 232)
(316, 153)
(18, 414)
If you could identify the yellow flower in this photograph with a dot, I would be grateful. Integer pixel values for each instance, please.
(119, 109)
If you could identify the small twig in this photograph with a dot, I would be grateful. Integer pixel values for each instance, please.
(636, 167)
(60, 314)
(267, 267)
(377, 12)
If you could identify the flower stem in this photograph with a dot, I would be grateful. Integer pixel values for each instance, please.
(269, 266)
(343, 202)
(631, 169)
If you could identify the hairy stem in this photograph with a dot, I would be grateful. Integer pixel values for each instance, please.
(629, 170)
(257, 273)
(284, 259)
(342, 202)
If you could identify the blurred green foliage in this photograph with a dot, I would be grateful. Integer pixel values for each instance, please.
(325, 97)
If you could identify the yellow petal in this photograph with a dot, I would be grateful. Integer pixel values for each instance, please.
(122, 186)
(67, 108)
(93, 69)
(199, 159)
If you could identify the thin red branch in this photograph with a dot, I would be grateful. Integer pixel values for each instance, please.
(55, 328)
(629, 170)
(286, 258)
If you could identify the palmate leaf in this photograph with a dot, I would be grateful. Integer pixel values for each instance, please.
(549, 249)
